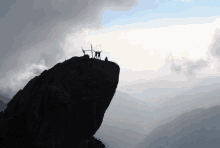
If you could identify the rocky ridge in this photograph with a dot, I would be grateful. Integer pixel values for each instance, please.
(62, 107)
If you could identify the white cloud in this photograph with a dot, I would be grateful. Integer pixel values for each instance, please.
(146, 48)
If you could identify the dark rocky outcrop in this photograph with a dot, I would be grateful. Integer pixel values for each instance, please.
(62, 107)
(95, 143)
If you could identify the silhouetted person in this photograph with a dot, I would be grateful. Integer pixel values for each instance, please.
(99, 54)
(106, 59)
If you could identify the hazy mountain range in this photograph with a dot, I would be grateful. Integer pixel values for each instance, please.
(4, 99)
(3, 102)
(199, 128)
(130, 121)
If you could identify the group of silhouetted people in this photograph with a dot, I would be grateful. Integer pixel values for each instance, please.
(97, 53)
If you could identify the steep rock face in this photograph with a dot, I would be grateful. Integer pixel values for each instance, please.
(63, 105)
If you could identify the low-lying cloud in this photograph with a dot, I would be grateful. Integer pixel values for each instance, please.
(188, 66)
(214, 47)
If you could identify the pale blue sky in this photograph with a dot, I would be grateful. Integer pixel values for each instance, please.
(168, 9)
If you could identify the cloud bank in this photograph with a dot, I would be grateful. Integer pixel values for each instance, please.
(188, 66)
(32, 31)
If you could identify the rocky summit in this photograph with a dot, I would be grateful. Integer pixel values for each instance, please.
(61, 108)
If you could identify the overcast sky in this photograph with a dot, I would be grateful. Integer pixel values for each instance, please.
(176, 40)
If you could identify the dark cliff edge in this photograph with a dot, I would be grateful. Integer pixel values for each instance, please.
(61, 108)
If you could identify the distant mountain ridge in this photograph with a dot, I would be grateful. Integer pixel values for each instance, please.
(134, 113)
(116, 131)
(3, 106)
(197, 128)
(3, 102)
(4, 99)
